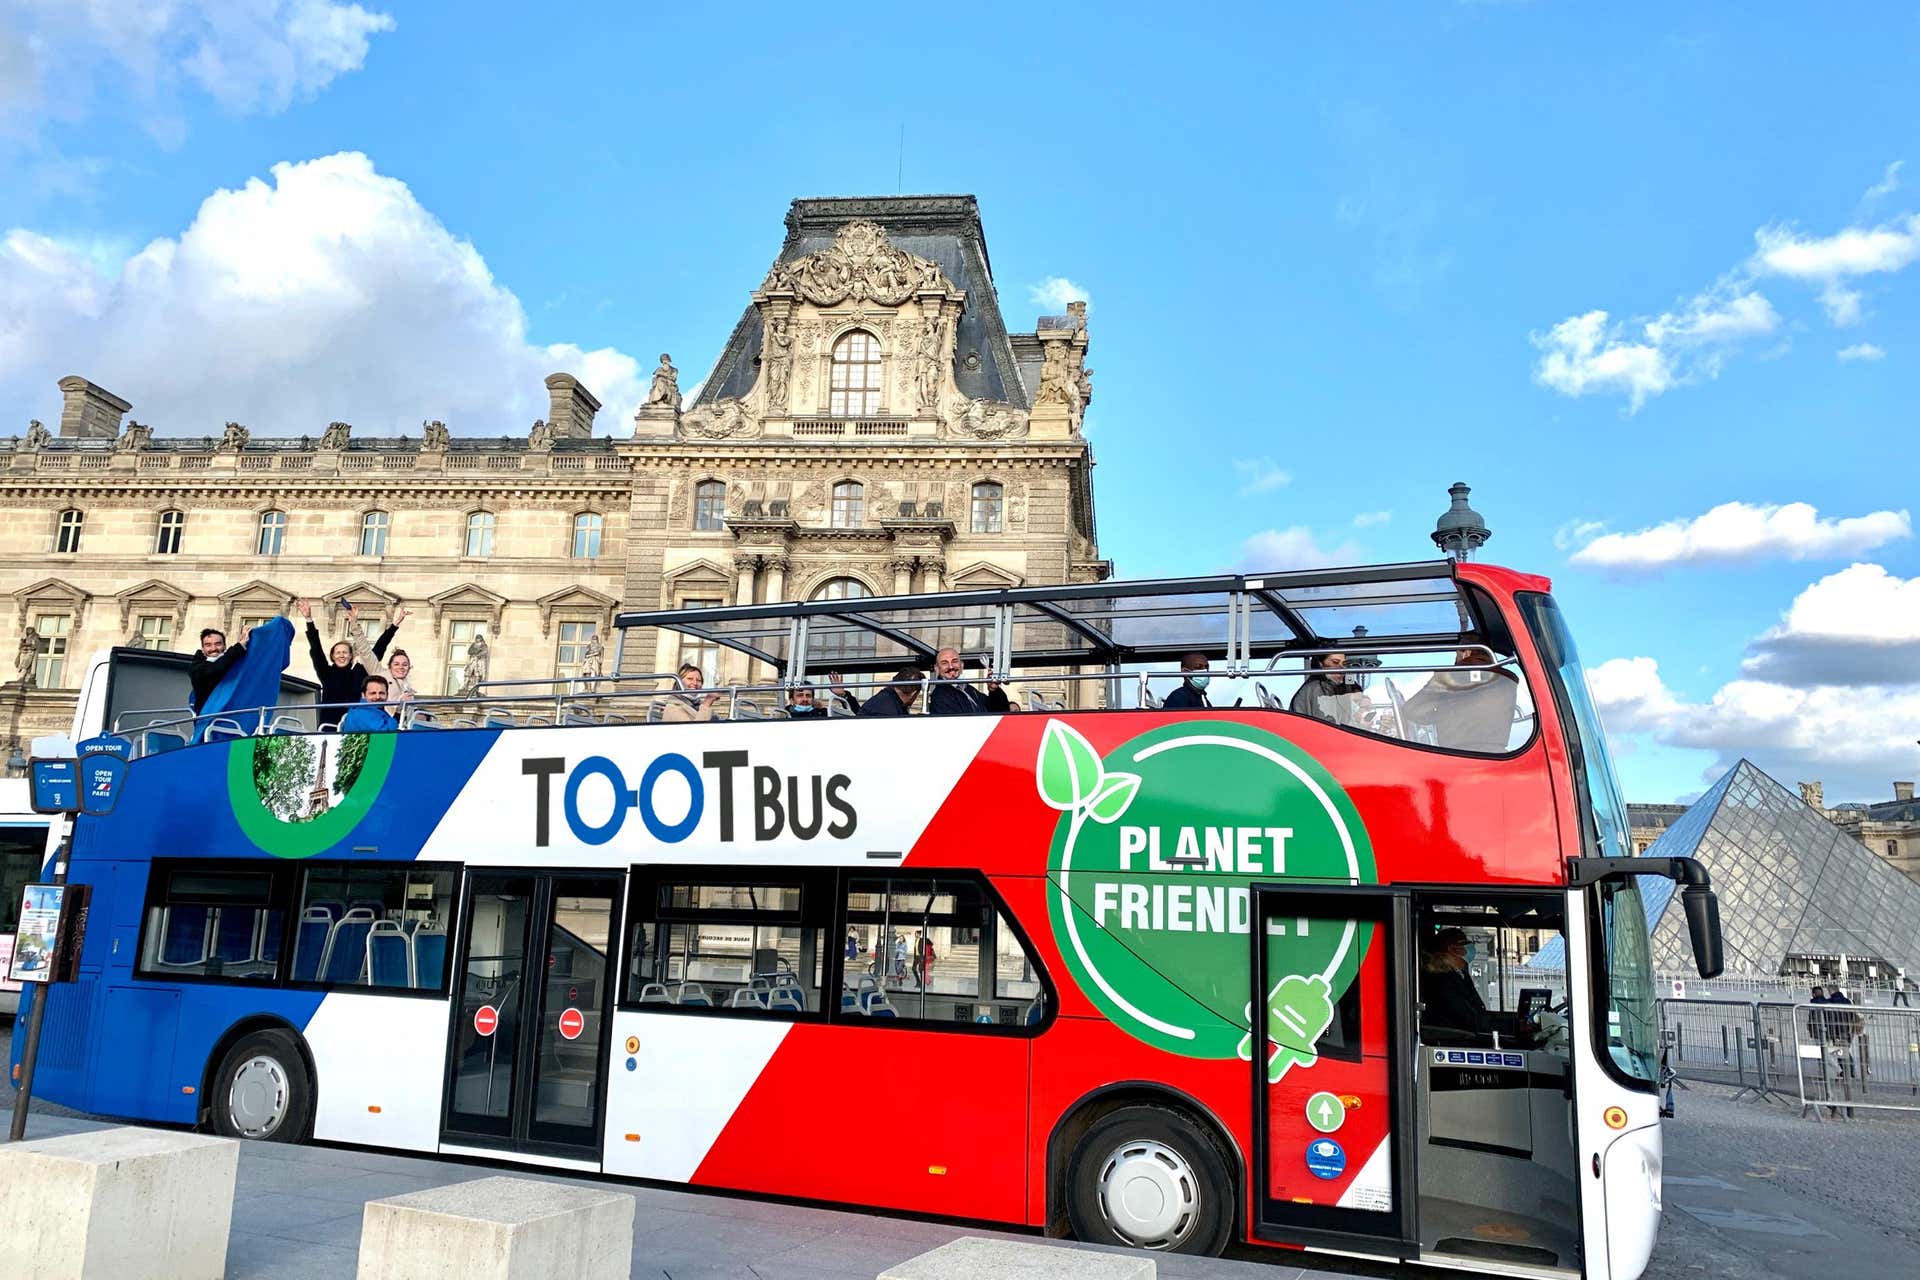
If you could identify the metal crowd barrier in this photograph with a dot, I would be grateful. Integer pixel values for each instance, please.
(1823, 1056)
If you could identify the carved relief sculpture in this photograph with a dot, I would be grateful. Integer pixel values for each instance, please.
(666, 384)
(234, 438)
(27, 658)
(985, 419)
(926, 370)
(728, 419)
(335, 436)
(861, 264)
(1055, 377)
(777, 354)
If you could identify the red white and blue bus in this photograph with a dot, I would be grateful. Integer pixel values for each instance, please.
(1245, 969)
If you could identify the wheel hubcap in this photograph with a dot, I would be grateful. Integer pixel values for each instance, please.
(257, 1102)
(1149, 1195)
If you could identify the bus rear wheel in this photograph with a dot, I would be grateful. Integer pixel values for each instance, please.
(261, 1091)
(1150, 1178)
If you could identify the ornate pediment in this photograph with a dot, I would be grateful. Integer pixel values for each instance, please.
(150, 595)
(54, 594)
(862, 265)
(577, 600)
(360, 594)
(467, 601)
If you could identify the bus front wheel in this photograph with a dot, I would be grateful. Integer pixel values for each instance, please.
(1150, 1178)
(262, 1091)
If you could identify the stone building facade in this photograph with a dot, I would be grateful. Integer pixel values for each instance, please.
(1889, 828)
(871, 428)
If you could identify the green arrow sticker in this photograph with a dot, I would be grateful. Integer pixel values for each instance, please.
(1326, 1112)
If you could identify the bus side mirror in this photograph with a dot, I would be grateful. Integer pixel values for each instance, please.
(1703, 929)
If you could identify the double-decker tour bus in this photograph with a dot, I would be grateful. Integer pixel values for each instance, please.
(1216, 934)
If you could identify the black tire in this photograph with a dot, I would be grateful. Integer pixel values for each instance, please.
(274, 1100)
(1174, 1156)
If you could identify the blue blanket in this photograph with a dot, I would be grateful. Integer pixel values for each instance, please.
(255, 681)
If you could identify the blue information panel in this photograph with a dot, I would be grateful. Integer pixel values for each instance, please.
(53, 786)
(101, 777)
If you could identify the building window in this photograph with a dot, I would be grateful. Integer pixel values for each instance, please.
(373, 533)
(50, 668)
(1893, 848)
(988, 505)
(480, 534)
(273, 533)
(857, 376)
(67, 540)
(156, 631)
(836, 639)
(460, 634)
(849, 505)
(704, 654)
(572, 650)
(709, 505)
(166, 540)
(248, 621)
(586, 535)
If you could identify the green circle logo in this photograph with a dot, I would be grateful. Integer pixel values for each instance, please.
(295, 795)
(1153, 860)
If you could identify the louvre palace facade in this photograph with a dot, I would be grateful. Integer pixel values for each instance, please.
(872, 427)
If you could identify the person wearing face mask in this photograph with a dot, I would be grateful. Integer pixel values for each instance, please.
(1452, 1006)
(1471, 707)
(1192, 693)
(1327, 694)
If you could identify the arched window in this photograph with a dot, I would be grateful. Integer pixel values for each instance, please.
(831, 638)
(854, 391)
(273, 533)
(166, 540)
(988, 504)
(480, 533)
(373, 533)
(849, 508)
(587, 527)
(709, 505)
(67, 540)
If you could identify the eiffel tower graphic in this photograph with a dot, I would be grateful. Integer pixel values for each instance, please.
(320, 799)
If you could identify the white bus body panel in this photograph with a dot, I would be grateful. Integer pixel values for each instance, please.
(382, 1051)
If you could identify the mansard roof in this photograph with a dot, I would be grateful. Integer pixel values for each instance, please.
(944, 228)
(311, 444)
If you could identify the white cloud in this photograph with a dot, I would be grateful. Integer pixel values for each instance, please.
(1630, 695)
(1737, 531)
(1295, 547)
(1861, 351)
(248, 55)
(1858, 626)
(1888, 184)
(1368, 519)
(1576, 533)
(325, 293)
(1054, 293)
(1259, 475)
(1590, 353)
(1830, 261)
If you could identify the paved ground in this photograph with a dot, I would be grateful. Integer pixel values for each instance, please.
(1752, 1190)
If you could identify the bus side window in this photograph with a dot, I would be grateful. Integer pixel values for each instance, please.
(210, 923)
(933, 949)
(743, 947)
(373, 926)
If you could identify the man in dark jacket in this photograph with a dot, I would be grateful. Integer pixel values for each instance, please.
(1452, 1004)
(341, 678)
(897, 698)
(958, 698)
(1192, 693)
(211, 665)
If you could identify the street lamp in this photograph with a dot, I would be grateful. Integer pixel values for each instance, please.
(1459, 532)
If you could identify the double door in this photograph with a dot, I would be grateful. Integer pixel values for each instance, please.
(527, 1054)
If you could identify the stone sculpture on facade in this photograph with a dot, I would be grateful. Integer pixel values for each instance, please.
(1055, 377)
(37, 436)
(728, 419)
(861, 264)
(984, 419)
(476, 674)
(666, 384)
(335, 436)
(136, 437)
(777, 355)
(1077, 315)
(434, 435)
(592, 656)
(26, 661)
(926, 369)
(234, 438)
(540, 438)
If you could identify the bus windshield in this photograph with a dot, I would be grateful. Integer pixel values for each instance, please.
(1586, 742)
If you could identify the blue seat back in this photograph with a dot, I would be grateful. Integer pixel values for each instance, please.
(429, 958)
(347, 954)
(389, 957)
(185, 940)
(233, 935)
(310, 944)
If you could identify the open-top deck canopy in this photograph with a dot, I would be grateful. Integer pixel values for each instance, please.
(1238, 617)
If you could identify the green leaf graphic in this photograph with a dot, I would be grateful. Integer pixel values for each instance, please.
(1116, 793)
(1069, 769)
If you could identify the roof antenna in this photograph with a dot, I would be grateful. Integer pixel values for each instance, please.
(900, 168)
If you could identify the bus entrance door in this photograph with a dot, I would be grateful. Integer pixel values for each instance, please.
(527, 1061)
(1332, 1061)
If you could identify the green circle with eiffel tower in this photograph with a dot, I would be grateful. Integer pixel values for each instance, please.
(296, 794)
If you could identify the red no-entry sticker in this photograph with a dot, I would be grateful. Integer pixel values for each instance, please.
(572, 1023)
(485, 1019)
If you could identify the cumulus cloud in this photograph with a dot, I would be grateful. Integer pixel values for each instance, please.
(1577, 533)
(248, 55)
(1630, 695)
(1368, 519)
(1295, 547)
(1859, 626)
(1053, 294)
(1259, 475)
(1888, 184)
(1832, 261)
(1592, 353)
(1740, 531)
(1861, 351)
(325, 292)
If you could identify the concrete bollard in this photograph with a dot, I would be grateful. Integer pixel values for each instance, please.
(498, 1229)
(978, 1258)
(129, 1203)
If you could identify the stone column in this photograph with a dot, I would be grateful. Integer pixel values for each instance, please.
(776, 569)
(932, 573)
(902, 567)
(744, 566)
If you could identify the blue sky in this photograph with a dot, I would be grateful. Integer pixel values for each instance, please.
(1335, 262)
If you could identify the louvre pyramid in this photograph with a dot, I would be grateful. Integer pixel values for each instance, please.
(1789, 883)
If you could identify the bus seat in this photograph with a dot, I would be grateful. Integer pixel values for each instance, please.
(655, 993)
(787, 997)
(656, 711)
(1268, 701)
(183, 939)
(310, 942)
(422, 720)
(282, 725)
(332, 906)
(876, 1005)
(1034, 701)
(538, 720)
(233, 935)
(223, 728)
(498, 718)
(692, 993)
(463, 722)
(849, 1001)
(747, 709)
(1150, 700)
(371, 906)
(389, 960)
(155, 741)
(347, 950)
(429, 957)
(746, 998)
(267, 938)
(1035, 1011)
